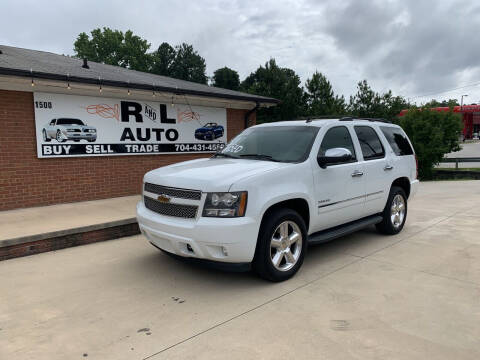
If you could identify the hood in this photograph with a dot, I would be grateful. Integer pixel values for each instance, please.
(79, 127)
(215, 174)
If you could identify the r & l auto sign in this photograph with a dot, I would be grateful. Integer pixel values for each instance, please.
(71, 125)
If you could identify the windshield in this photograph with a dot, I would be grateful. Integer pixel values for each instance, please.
(274, 143)
(69, 122)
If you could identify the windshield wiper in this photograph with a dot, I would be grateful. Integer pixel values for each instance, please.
(220, 154)
(260, 157)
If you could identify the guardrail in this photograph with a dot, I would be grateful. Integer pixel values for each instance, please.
(460, 160)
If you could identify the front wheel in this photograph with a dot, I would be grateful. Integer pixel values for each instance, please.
(281, 245)
(59, 137)
(395, 212)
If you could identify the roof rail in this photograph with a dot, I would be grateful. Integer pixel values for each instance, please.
(349, 118)
(376, 119)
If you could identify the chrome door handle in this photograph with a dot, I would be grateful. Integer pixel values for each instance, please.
(388, 167)
(357, 173)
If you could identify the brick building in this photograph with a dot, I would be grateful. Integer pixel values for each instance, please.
(31, 81)
(470, 118)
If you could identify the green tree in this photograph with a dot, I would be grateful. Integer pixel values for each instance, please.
(113, 47)
(320, 97)
(280, 83)
(226, 78)
(162, 60)
(433, 135)
(370, 104)
(366, 102)
(188, 65)
(392, 105)
(444, 103)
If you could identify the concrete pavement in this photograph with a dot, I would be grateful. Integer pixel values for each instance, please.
(468, 150)
(46, 219)
(415, 295)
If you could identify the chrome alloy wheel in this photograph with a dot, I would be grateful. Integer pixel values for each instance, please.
(286, 246)
(397, 211)
(59, 136)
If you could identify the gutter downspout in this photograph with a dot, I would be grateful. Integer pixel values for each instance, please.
(250, 112)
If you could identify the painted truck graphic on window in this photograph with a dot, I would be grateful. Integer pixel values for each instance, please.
(209, 131)
(63, 129)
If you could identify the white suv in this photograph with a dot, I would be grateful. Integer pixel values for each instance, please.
(277, 188)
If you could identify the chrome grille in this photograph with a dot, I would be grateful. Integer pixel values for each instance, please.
(173, 192)
(169, 209)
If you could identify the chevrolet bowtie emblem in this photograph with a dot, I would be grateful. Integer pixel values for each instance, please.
(164, 198)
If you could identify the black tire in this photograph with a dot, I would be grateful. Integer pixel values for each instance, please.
(386, 226)
(91, 140)
(45, 136)
(262, 263)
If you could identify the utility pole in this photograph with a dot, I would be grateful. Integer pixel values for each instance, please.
(461, 102)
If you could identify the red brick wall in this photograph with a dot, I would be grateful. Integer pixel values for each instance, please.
(27, 181)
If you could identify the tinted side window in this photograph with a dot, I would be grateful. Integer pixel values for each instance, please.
(337, 137)
(52, 122)
(397, 140)
(371, 145)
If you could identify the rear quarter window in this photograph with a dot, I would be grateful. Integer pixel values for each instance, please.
(397, 140)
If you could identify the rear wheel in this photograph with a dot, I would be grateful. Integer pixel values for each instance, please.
(395, 212)
(281, 245)
(45, 136)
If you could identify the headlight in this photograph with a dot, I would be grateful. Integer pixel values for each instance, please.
(225, 204)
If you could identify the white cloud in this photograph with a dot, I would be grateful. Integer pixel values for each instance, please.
(412, 47)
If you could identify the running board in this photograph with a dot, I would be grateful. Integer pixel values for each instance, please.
(338, 231)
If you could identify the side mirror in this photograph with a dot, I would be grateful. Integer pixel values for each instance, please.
(334, 156)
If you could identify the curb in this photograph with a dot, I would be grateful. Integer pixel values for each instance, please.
(56, 240)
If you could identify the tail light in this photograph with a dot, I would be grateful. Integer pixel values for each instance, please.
(416, 164)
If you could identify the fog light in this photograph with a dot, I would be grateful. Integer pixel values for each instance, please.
(224, 251)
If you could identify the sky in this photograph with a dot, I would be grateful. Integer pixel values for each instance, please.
(420, 49)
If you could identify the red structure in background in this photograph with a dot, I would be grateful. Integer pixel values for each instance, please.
(470, 117)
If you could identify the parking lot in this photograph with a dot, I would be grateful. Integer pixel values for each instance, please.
(415, 295)
(471, 149)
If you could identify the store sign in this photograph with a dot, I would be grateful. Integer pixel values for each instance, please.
(71, 125)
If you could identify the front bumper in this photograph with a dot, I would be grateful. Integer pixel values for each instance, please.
(80, 136)
(414, 188)
(229, 240)
(201, 136)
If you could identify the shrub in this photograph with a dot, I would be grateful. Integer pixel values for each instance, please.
(433, 135)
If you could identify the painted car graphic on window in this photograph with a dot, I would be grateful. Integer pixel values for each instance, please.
(209, 131)
(63, 129)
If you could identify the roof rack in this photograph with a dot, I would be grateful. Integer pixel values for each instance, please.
(349, 118)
